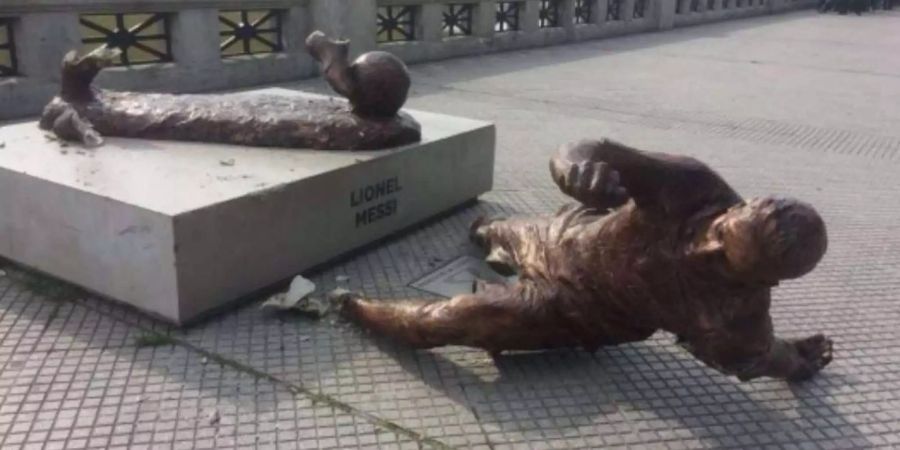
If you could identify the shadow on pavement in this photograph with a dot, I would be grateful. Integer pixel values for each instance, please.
(642, 390)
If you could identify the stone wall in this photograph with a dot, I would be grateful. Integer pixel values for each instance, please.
(42, 31)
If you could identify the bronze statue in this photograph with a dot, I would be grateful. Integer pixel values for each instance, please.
(376, 84)
(655, 242)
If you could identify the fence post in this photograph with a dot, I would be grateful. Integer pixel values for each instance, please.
(567, 18)
(665, 13)
(42, 39)
(627, 11)
(530, 16)
(602, 6)
(485, 17)
(195, 39)
(431, 25)
(295, 29)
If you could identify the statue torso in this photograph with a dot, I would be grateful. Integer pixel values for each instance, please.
(628, 273)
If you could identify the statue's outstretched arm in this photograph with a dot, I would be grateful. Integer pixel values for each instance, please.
(750, 350)
(606, 173)
(795, 360)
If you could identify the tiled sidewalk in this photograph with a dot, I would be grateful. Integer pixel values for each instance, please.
(801, 104)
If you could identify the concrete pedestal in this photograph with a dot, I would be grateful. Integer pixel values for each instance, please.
(180, 229)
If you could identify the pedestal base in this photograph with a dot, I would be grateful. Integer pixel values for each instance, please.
(180, 229)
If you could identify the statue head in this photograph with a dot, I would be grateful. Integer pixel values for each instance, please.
(377, 83)
(769, 239)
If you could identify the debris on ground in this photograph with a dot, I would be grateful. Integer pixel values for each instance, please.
(227, 162)
(300, 289)
(313, 307)
(2, 144)
(2, 273)
(337, 297)
(213, 418)
(342, 278)
(153, 339)
(298, 299)
(339, 294)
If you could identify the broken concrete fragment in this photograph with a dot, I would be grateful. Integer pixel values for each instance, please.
(339, 294)
(298, 299)
(314, 307)
(300, 288)
(277, 302)
(213, 417)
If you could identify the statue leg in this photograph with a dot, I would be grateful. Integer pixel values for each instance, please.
(70, 126)
(514, 317)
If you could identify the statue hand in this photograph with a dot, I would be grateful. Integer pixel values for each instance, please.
(592, 183)
(815, 353)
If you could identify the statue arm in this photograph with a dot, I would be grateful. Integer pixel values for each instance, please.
(794, 360)
(605, 174)
(750, 350)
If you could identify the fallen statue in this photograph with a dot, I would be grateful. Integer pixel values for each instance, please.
(376, 85)
(655, 242)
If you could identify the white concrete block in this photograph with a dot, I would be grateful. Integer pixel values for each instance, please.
(180, 229)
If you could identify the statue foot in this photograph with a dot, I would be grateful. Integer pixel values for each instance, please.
(339, 300)
(478, 231)
(70, 126)
(324, 49)
(499, 261)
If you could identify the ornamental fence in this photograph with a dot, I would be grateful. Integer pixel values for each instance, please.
(206, 45)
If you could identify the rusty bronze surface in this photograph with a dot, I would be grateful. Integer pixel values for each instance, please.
(376, 85)
(655, 242)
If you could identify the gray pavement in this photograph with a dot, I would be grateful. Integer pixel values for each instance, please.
(798, 104)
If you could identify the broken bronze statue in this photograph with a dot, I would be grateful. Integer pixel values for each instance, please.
(654, 242)
(376, 85)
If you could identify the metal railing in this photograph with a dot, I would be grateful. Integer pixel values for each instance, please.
(142, 38)
(198, 45)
